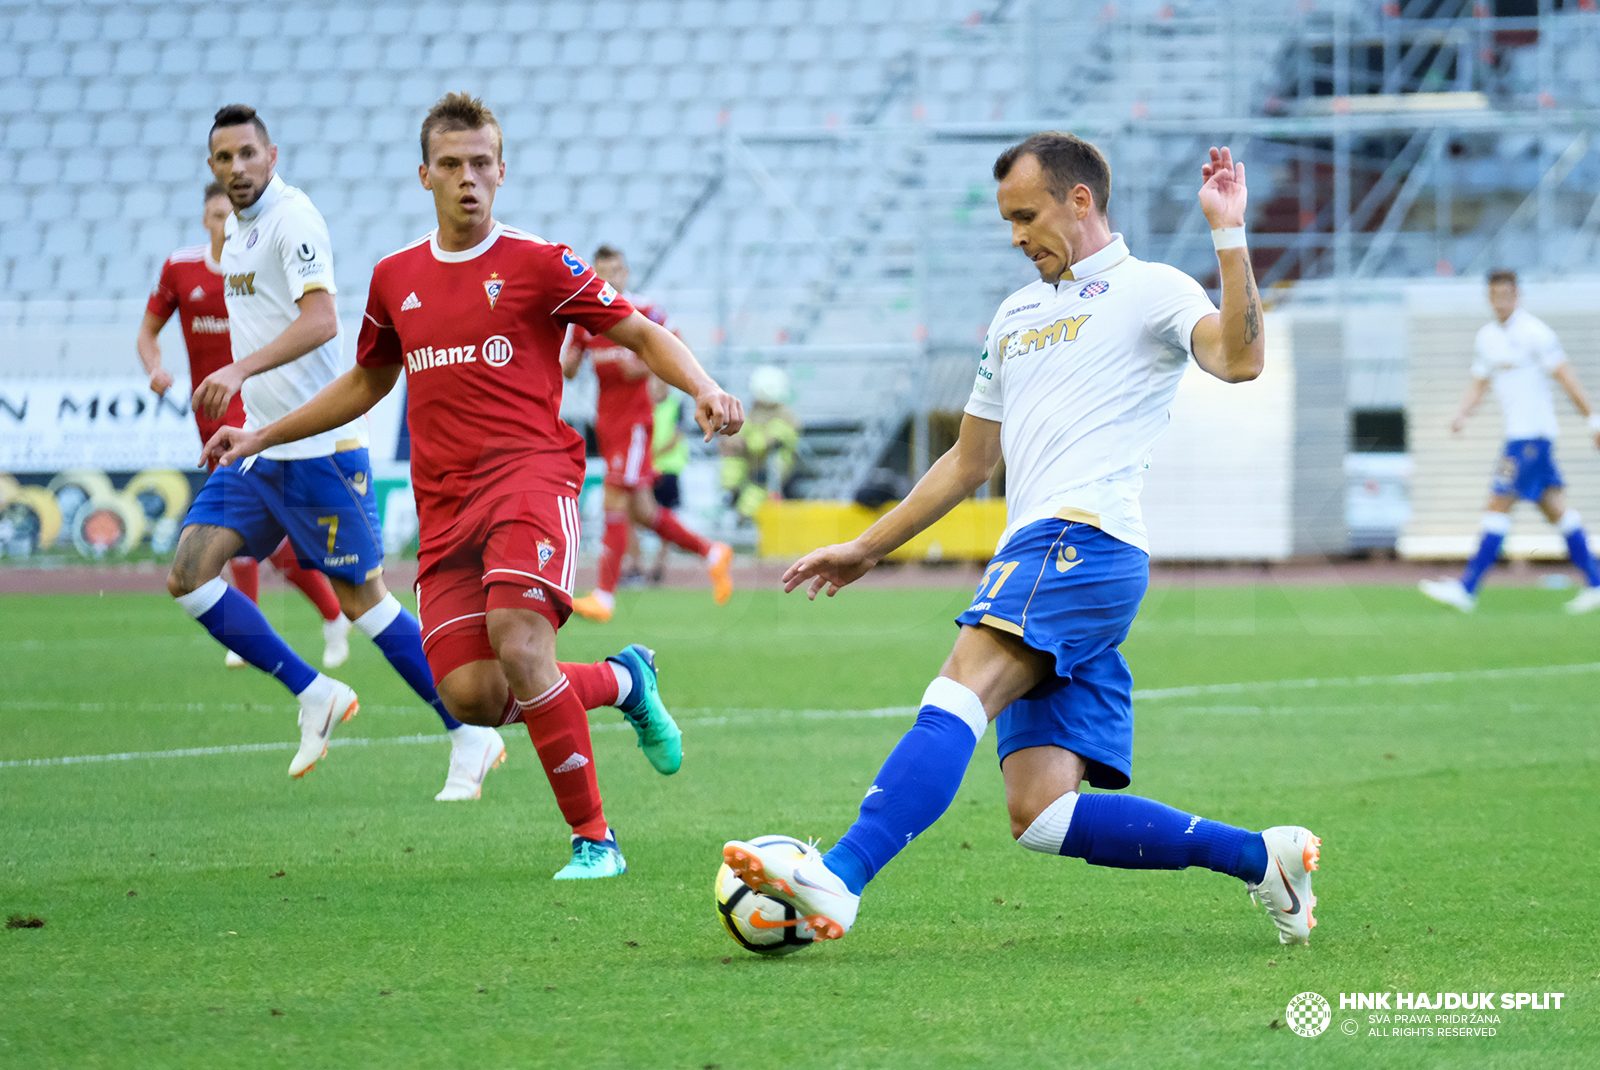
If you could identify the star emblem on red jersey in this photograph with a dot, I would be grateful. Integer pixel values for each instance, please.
(492, 287)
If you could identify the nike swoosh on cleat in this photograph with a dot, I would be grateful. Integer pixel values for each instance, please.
(327, 726)
(812, 884)
(1294, 898)
(757, 921)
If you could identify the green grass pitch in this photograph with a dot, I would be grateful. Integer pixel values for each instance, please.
(208, 911)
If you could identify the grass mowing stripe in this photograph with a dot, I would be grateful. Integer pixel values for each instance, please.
(1451, 677)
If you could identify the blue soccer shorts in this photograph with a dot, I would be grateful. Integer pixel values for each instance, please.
(325, 505)
(1070, 590)
(1527, 470)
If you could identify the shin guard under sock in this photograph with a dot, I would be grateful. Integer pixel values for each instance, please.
(1129, 832)
(238, 624)
(398, 635)
(595, 684)
(559, 727)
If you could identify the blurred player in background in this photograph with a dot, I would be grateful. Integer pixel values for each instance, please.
(624, 426)
(277, 264)
(1518, 354)
(475, 315)
(757, 463)
(1077, 376)
(669, 450)
(191, 285)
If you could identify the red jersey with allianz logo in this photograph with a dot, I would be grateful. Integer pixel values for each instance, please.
(479, 334)
(191, 285)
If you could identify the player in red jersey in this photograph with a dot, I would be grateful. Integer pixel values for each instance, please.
(191, 286)
(475, 315)
(624, 426)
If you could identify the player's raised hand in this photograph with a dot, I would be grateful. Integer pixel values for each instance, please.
(216, 391)
(1222, 190)
(718, 413)
(229, 444)
(160, 381)
(832, 567)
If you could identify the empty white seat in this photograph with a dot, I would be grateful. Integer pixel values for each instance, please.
(166, 24)
(135, 57)
(180, 57)
(64, 236)
(78, 275)
(20, 238)
(112, 238)
(447, 54)
(25, 132)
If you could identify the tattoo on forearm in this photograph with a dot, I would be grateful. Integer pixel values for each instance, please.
(1252, 306)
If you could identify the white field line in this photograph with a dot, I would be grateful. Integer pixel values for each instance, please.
(712, 718)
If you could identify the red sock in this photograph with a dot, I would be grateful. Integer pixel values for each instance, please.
(559, 727)
(615, 545)
(595, 685)
(670, 528)
(247, 576)
(314, 584)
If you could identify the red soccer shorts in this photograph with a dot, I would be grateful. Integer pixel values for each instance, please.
(516, 552)
(626, 448)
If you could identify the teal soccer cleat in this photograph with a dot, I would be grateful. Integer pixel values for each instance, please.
(659, 735)
(593, 859)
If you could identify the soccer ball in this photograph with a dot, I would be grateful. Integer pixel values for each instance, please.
(759, 922)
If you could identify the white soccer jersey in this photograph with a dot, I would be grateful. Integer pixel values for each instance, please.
(1080, 376)
(1517, 357)
(273, 252)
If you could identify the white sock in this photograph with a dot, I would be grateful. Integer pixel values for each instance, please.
(624, 682)
(960, 700)
(317, 691)
(1570, 521)
(607, 600)
(373, 622)
(203, 597)
(1049, 830)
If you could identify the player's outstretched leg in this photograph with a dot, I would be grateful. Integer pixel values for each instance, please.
(238, 624)
(474, 750)
(599, 604)
(319, 592)
(1462, 594)
(718, 556)
(1571, 527)
(915, 786)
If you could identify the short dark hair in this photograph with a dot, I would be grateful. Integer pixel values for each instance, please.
(460, 111)
(215, 189)
(238, 115)
(1067, 161)
(609, 252)
(1502, 275)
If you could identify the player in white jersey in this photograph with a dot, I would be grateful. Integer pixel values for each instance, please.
(1518, 354)
(1073, 388)
(277, 264)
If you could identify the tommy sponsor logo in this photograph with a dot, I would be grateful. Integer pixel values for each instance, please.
(546, 550)
(492, 287)
(1095, 288)
(1017, 343)
(197, 294)
(497, 351)
(410, 302)
(242, 285)
(572, 764)
(209, 325)
(428, 357)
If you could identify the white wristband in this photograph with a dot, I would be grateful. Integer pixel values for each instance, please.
(1594, 421)
(1228, 238)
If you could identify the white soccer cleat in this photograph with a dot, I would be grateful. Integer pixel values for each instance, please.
(317, 718)
(1292, 853)
(1449, 593)
(473, 752)
(234, 661)
(1588, 599)
(800, 878)
(335, 641)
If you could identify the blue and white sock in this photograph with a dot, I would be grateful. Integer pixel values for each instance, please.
(1495, 528)
(238, 624)
(397, 633)
(916, 784)
(1571, 527)
(1128, 832)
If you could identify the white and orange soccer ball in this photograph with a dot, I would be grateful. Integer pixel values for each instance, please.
(758, 922)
